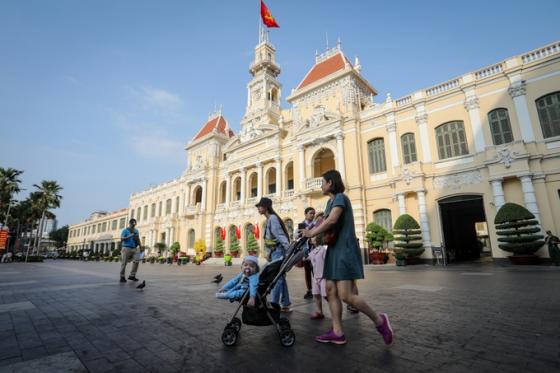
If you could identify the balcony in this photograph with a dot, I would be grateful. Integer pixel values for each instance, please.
(288, 193)
(221, 206)
(313, 184)
(192, 210)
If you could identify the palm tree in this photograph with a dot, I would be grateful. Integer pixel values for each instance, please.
(48, 198)
(9, 185)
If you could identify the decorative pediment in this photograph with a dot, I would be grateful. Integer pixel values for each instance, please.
(320, 115)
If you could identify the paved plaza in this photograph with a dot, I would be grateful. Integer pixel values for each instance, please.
(67, 316)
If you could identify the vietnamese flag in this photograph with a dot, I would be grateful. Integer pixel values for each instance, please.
(237, 232)
(256, 231)
(267, 17)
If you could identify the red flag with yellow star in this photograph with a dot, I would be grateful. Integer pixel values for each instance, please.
(267, 17)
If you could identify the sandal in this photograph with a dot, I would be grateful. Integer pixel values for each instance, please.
(317, 316)
(352, 309)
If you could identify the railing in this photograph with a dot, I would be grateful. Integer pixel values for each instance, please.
(404, 101)
(288, 193)
(489, 71)
(541, 53)
(447, 86)
(314, 183)
(236, 203)
(192, 209)
(221, 206)
(252, 200)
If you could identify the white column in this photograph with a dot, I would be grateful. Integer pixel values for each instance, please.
(301, 154)
(278, 176)
(391, 127)
(424, 222)
(340, 155)
(171, 235)
(422, 122)
(188, 196)
(402, 206)
(498, 192)
(243, 186)
(203, 202)
(228, 189)
(529, 196)
(472, 107)
(259, 179)
(517, 92)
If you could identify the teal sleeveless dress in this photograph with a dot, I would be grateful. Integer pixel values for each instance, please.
(343, 260)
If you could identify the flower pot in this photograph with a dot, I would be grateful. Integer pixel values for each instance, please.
(253, 253)
(218, 254)
(411, 260)
(400, 262)
(524, 259)
(376, 257)
(234, 254)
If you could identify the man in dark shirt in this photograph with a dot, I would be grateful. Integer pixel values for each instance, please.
(307, 266)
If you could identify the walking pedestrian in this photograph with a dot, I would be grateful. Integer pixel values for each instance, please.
(276, 242)
(130, 241)
(343, 261)
(308, 223)
(553, 250)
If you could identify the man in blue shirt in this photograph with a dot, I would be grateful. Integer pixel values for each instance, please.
(130, 241)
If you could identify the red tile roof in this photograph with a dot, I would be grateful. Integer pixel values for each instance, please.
(323, 69)
(218, 123)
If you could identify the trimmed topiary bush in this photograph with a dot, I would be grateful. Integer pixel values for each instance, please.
(516, 227)
(377, 236)
(234, 246)
(252, 245)
(408, 236)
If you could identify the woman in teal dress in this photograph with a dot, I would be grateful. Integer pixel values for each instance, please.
(343, 262)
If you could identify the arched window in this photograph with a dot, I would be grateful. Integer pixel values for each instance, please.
(376, 156)
(451, 140)
(408, 148)
(290, 176)
(198, 195)
(271, 181)
(248, 231)
(190, 239)
(323, 161)
(253, 181)
(290, 227)
(237, 189)
(383, 218)
(168, 206)
(548, 108)
(500, 126)
(223, 192)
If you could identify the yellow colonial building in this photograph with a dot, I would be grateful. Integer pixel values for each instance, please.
(101, 232)
(449, 155)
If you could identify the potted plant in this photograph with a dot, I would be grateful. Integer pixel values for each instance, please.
(409, 239)
(219, 249)
(517, 227)
(234, 247)
(183, 258)
(175, 248)
(377, 237)
(160, 248)
(200, 249)
(227, 260)
(151, 259)
(252, 245)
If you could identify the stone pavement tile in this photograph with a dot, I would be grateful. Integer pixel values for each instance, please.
(86, 351)
(9, 361)
(59, 363)
(100, 365)
(33, 353)
(56, 349)
(9, 352)
(29, 340)
(128, 365)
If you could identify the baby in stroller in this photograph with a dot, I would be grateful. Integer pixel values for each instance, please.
(260, 312)
(247, 279)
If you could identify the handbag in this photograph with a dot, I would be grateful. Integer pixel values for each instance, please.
(330, 236)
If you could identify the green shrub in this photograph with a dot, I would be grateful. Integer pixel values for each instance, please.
(408, 236)
(252, 244)
(234, 245)
(516, 227)
(377, 236)
(219, 244)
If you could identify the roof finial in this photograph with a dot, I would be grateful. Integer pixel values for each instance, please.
(327, 37)
(338, 44)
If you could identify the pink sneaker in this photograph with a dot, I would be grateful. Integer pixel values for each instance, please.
(330, 337)
(385, 329)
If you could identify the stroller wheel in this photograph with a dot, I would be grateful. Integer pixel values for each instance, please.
(287, 338)
(229, 336)
(236, 324)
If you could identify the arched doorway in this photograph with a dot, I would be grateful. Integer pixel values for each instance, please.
(323, 161)
(190, 239)
(464, 227)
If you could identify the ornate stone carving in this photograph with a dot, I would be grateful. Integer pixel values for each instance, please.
(421, 119)
(199, 163)
(249, 132)
(406, 176)
(471, 103)
(456, 181)
(518, 89)
(506, 156)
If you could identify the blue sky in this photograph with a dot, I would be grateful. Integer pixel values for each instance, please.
(102, 95)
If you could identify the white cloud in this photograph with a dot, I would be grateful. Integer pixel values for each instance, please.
(161, 98)
(151, 144)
